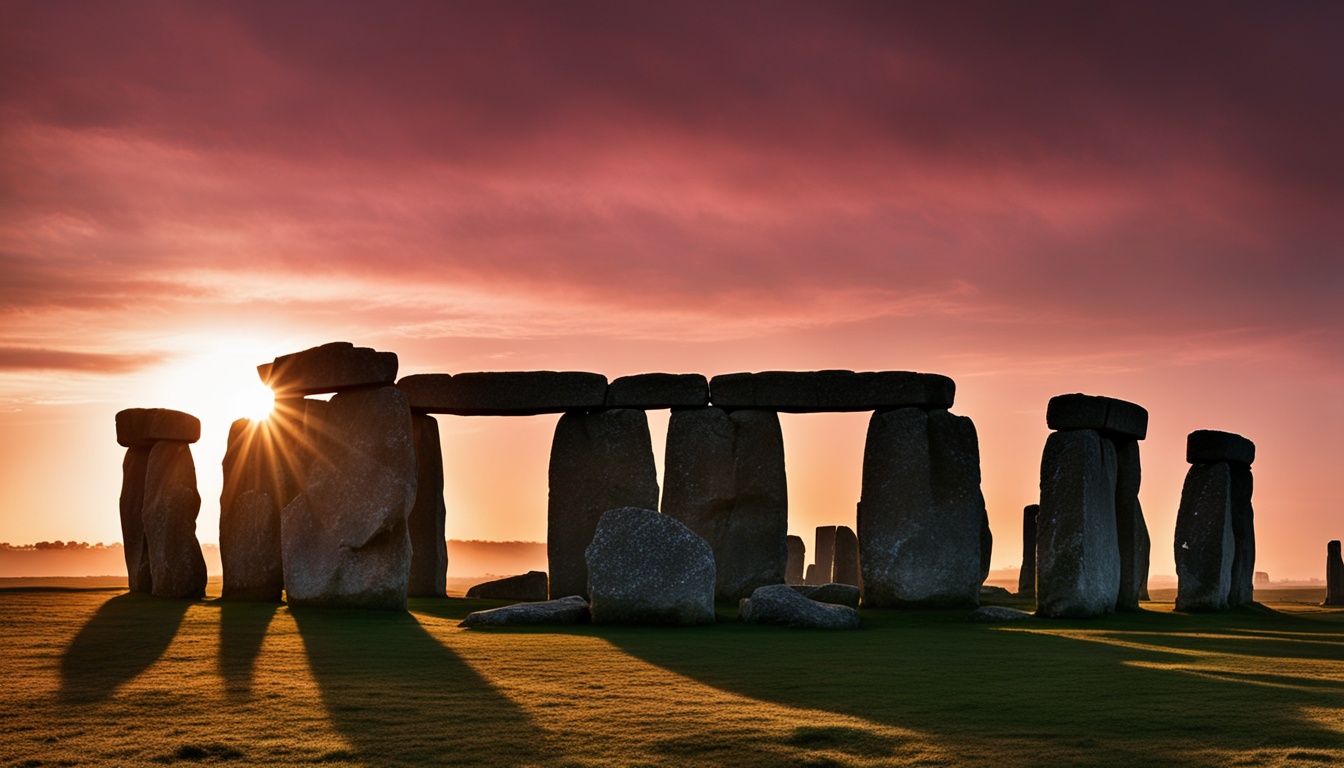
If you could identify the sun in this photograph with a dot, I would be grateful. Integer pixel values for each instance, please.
(218, 383)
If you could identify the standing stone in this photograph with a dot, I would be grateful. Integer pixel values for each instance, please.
(793, 570)
(258, 483)
(599, 461)
(1077, 554)
(846, 568)
(1131, 530)
(345, 540)
(725, 480)
(177, 568)
(646, 568)
(1334, 575)
(134, 546)
(824, 554)
(1204, 540)
(429, 550)
(1242, 589)
(1026, 578)
(922, 512)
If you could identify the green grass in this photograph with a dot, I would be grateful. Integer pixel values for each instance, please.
(96, 677)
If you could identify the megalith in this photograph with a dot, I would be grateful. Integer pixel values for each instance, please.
(177, 568)
(1130, 528)
(259, 480)
(793, 569)
(530, 586)
(846, 567)
(134, 545)
(345, 539)
(823, 554)
(599, 461)
(1077, 554)
(1215, 568)
(1334, 574)
(429, 549)
(922, 512)
(724, 479)
(1026, 578)
(644, 567)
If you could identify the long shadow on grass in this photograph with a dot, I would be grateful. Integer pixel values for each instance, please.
(1123, 690)
(126, 635)
(242, 629)
(400, 698)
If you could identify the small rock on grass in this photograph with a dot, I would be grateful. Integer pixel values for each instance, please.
(566, 610)
(996, 613)
(781, 604)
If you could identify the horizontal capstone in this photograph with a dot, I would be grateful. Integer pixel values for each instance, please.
(332, 367)
(1106, 414)
(142, 427)
(1208, 446)
(505, 393)
(832, 391)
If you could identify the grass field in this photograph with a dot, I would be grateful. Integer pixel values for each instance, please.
(98, 677)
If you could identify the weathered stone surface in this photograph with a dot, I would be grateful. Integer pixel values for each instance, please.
(1130, 528)
(134, 547)
(823, 550)
(1334, 574)
(172, 503)
(1242, 589)
(258, 483)
(425, 524)
(564, 611)
(1026, 578)
(506, 393)
(724, 479)
(529, 586)
(1204, 541)
(344, 539)
(922, 512)
(647, 568)
(831, 391)
(838, 594)
(1105, 414)
(333, 367)
(996, 614)
(1209, 446)
(599, 461)
(142, 427)
(659, 390)
(781, 604)
(793, 569)
(1077, 553)
(846, 567)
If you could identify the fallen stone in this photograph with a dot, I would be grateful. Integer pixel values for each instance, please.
(846, 567)
(177, 568)
(995, 614)
(724, 479)
(650, 391)
(831, 391)
(257, 485)
(1209, 446)
(1077, 553)
(564, 611)
(134, 546)
(781, 604)
(530, 586)
(824, 554)
(837, 594)
(1026, 578)
(647, 568)
(599, 461)
(1334, 574)
(333, 367)
(505, 393)
(142, 427)
(922, 512)
(344, 539)
(1204, 541)
(425, 524)
(1104, 414)
(1242, 589)
(1130, 527)
(793, 569)
(991, 592)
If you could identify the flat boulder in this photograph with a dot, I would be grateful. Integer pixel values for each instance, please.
(529, 586)
(833, 593)
(996, 614)
(1209, 446)
(142, 427)
(1104, 414)
(783, 605)
(647, 568)
(177, 568)
(563, 611)
(659, 390)
(831, 391)
(505, 393)
(333, 367)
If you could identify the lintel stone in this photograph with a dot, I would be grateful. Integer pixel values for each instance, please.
(1208, 446)
(659, 390)
(1105, 414)
(831, 391)
(505, 393)
(332, 367)
(142, 427)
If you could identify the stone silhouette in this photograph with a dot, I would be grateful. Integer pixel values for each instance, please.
(1130, 527)
(647, 568)
(334, 367)
(793, 569)
(1026, 578)
(429, 550)
(823, 554)
(1215, 526)
(831, 391)
(506, 393)
(650, 391)
(846, 567)
(724, 479)
(530, 586)
(781, 604)
(1334, 574)
(259, 481)
(599, 461)
(134, 546)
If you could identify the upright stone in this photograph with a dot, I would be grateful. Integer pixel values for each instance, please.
(1131, 530)
(922, 512)
(1242, 589)
(172, 503)
(1077, 554)
(824, 553)
(1026, 578)
(646, 568)
(134, 546)
(258, 483)
(1334, 574)
(1204, 540)
(846, 568)
(599, 461)
(429, 550)
(793, 569)
(345, 539)
(724, 479)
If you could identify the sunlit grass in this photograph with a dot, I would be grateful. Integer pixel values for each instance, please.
(99, 678)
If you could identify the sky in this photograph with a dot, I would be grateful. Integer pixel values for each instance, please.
(1138, 200)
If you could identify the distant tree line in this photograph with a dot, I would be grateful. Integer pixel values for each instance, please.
(61, 545)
